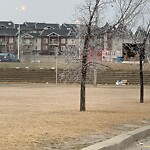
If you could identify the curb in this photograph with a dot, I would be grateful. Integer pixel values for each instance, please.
(121, 141)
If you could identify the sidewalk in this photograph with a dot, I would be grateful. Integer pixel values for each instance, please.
(141, 144)
(121, 141)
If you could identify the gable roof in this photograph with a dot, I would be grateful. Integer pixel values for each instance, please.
(69, 26)
(7, 24)
(55, 32)
(23, 27)
(41, 26)
(27, 35)
(72, 28)
(30, 24)
(33, 26)
(8, 32)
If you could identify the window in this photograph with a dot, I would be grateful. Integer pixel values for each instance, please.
(45, 48)
(63, 41)
(11, 55)
(34, 32)
(10, 47)
(3, 26)
(73, 42)
(11, 40)
(54, 41)
(45, 40)
(63, 48)
(9, 23)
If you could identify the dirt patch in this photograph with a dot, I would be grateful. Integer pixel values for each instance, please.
(46, 116)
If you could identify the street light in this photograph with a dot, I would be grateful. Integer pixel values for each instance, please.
(78, 23)
(56, 57)
(20, 9)
(18, 42)
(56, 63)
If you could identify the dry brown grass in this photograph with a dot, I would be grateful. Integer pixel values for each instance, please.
(40, 116)
(51, 62)
(126, 67)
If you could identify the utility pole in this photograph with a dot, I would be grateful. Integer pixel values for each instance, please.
(18, 56)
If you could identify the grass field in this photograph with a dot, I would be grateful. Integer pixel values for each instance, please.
(48, 62)
(47, 116)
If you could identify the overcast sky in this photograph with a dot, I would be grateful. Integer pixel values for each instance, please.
(50, 11)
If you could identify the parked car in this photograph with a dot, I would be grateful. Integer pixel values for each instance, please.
(8, 57)
(47, 52)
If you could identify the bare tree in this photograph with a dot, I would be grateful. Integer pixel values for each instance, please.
(128, 12)
(141, 46)
(93, 15)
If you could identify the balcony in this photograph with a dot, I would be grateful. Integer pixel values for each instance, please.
(27, 43)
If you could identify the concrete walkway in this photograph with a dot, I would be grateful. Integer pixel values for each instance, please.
(122, 141)
(143, 144)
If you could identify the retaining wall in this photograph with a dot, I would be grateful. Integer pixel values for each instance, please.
(49, 75)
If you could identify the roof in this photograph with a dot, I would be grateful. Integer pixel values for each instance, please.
(30, 24)
(8, 32)
(7, 24)
(72, 28)
(55, 32)
(26, 26)
(69, 26)
(33, 26)
(23, 27)
(33, 35)
(41, 26)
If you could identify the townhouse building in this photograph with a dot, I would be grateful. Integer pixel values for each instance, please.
(47, 38)
(8, 34)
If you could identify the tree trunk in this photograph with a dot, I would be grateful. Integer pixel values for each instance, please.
(84, 74)
(82, 96)
(141, 79)
(84, 58)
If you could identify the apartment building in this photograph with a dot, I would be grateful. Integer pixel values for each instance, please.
(47, 38)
